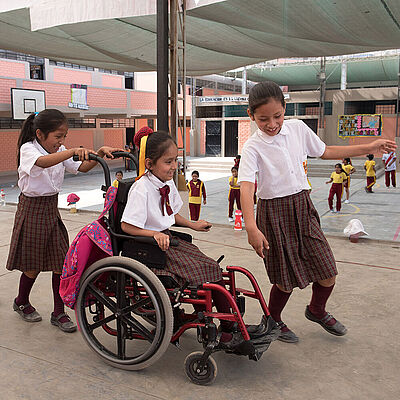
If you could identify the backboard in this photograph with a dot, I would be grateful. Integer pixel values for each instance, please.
(26, 101)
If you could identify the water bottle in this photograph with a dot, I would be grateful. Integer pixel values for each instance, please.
(2, 198)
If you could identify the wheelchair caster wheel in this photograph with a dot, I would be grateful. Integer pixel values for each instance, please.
(198, 375)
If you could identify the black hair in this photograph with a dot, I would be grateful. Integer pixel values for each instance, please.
(347, 159)
(157, 144)
(119, 172)
(262, 93)
(46, 121)
(238, 157)
(234, 169)
(341, 168)
(370, 156)
(195, 172)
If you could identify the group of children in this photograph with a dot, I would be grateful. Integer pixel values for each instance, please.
(285, 233)
(340, 178)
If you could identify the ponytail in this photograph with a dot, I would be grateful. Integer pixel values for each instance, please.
(27, 134)
(46, 121)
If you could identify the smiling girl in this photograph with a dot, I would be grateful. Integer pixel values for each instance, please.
(39, 240)
(287, 233)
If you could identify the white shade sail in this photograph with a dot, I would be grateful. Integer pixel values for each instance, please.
(221, 35)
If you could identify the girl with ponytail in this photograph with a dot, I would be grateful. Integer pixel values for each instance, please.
(39, 240)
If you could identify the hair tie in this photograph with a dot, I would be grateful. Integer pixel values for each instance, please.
(140, 140)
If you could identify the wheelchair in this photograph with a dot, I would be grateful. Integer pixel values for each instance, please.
(129, 316)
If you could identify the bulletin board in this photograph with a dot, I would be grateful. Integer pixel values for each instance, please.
(360, 125)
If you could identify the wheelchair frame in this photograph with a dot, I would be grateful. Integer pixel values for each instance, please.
(145, 310)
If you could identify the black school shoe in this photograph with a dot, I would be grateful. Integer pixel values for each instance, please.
(31, 317)
(287, 337)
(337, 328)
(67, 326)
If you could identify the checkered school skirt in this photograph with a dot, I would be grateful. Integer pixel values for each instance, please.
(39, 240)
(298, 250)
(186, 263)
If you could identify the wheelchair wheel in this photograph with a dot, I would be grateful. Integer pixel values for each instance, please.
(200, 376)
(115, 296)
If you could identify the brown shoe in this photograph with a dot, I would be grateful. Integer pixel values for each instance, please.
(34, 316)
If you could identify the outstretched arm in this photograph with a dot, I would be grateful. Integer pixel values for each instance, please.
(377, 146)
(201, 225)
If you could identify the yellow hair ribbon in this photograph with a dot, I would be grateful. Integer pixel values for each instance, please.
(142, 157)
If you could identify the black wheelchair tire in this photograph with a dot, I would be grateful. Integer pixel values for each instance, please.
(139, 271)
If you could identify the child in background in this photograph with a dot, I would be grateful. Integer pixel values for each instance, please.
(287, 232)
(349, 169)
(237, 161)
(39, 239)
(197, 190)
(338, 177)
(118, 175)
(234, 193)
(389, 162)
(369, 167)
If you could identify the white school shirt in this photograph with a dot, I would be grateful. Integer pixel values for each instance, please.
(143, 208)
(36, 181)
(385, 156)
(278, 160)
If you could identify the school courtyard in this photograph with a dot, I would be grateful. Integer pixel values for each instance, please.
(38, 361)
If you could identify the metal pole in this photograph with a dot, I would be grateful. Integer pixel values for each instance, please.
(193, 145)
(173, 49)
(244, 81)
(162, 65)
(398, 101)
(322, 87)
(343, 77)
(184, 83)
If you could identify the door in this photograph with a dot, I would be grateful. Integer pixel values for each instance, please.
(213, 138)
(231, 138)
(130, 133)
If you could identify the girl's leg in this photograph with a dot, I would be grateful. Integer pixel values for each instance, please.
(239, 206)
(330, 198)
(26, 282)
(58, 316)
(231, 201)
(347, 193)
(339, 189)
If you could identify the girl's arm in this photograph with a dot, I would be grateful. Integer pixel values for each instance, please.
(254, 236)
(103, 151)
(339, 152)
(330, 180)
(201, 225)
(161, 238)
(50, 160)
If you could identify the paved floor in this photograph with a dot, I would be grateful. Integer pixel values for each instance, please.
(40, 362)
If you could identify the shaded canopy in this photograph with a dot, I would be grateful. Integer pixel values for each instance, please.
(221, 35)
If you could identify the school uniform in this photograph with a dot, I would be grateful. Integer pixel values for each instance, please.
(347, 168)
(299, 252)
(39, 240)
(197, 190)
(146, 209)
(233, 195)
(336, 189)
(371, 178)
(390, 168)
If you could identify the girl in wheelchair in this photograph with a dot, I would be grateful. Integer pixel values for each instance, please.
(153, 206)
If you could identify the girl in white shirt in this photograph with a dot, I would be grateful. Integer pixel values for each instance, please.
(39, 240)
(287, 233)
(152, 208)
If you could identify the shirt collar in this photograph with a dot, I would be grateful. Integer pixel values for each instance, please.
(40, 147)
(269, 139)
(156, 182)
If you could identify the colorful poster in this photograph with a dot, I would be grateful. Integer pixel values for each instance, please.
(360, 125)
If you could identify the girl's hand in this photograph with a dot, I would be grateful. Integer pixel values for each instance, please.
(107, 151)
(162, 240)
(201, 225)
(382, 145)
(258, 241)
(82, 153)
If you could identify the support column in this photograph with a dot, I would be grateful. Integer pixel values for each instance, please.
(343, 77)
(244, 81)
(322, 88)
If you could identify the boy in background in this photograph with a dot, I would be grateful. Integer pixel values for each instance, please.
(369, 168)
(197, 190)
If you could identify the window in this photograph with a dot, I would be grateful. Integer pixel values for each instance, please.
(82, 123)
(236, 111)
(9, 123)
(359, 107)
(150, 123)
(209, 112)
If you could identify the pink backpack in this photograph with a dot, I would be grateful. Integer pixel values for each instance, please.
(92, 243)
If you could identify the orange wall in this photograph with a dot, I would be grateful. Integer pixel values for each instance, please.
(79, 137)
(144, 100)
(56, 94)
(8, 144)
(5, 90)
(109, 98)
(114, 137)
(114, 81)
(14, 69)
(72, 76)
(244, 133)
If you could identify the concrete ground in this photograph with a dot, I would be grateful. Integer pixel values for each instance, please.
(38, 361)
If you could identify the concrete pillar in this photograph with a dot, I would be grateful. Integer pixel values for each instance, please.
(244, 81)
(343, 77)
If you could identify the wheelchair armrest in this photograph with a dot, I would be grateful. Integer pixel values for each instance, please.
(143, 239)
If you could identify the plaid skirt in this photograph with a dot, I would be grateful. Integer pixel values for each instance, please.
(298, 250)
(39, 240)
(186, 263)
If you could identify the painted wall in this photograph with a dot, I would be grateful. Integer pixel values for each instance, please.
(15, 69)
(8, 144)
(72, 76)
